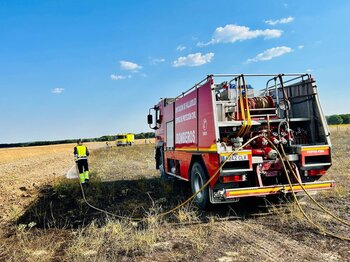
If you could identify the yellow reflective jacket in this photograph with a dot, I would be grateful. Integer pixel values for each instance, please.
(81, 152)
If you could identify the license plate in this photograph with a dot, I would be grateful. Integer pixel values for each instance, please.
(239, 157)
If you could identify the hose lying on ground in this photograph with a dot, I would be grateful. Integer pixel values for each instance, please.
(320, 228)
(181, 204)
(282, 158)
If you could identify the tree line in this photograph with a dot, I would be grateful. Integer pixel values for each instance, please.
(331, 120)
(338, 119)
(145, 135)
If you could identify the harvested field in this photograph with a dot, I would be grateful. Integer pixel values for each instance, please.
(46, 219)
(24, 170)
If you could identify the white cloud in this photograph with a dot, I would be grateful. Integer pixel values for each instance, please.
(57, 90)
(180, 47)
(155, 61)
(300, 46)
(130, 66)
(234, 33)
(309, 70)
(285, 20)
(119, 77)
(271, 53)
(196, 59)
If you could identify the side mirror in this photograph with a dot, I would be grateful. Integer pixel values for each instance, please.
(150, 119)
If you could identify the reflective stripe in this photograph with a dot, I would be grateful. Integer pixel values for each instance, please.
(255, 191)
(86, 174)
(81, 151)
(82, 178)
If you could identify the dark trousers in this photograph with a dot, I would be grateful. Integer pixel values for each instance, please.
(83, 165)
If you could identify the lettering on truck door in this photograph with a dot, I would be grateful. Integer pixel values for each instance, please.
(186, 122)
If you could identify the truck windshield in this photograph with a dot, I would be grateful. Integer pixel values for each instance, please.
(121, 137)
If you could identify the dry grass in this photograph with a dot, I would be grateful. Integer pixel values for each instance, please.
(33, 245)
(292, 223)
(109, 243)
(24, 170)
(126, 183)
(124, 162)
(340, 171)
(9, 155)
(186, 215)
(122, 184)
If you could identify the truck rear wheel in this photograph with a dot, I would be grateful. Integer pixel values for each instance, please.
(199, 177)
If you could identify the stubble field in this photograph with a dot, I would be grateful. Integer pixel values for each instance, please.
(44, 218)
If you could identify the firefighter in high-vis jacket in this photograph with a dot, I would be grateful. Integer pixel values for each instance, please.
(81, 154)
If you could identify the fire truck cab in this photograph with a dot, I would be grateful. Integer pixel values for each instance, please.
(197, 130)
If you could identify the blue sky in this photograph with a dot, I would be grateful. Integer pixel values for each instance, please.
(72, 69)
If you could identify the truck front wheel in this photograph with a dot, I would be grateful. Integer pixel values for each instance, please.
(199, 177)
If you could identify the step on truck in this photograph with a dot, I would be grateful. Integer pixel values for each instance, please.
(196, 131)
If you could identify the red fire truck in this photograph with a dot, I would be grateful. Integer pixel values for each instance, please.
(197, 130)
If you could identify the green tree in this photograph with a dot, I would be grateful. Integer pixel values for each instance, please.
(335, 120)
(346, 118)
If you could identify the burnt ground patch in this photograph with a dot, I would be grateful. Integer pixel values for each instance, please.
(61, 205)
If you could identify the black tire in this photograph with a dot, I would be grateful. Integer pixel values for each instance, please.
(199, 177)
